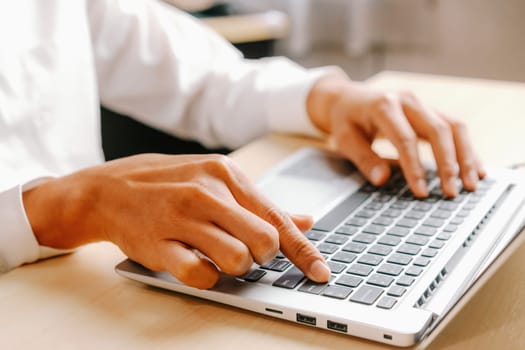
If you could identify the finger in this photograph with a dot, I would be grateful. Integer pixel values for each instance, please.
(470, 167)
(292, 242)
(354, 145)
(303, 222)
(261, 238)
(437, 131)
(192, 270)
(230, 254)
(392, 122)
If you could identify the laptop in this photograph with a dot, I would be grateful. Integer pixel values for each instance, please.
(399, 264)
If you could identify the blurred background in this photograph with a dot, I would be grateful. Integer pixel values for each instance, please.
(471, 38)
(475, 38)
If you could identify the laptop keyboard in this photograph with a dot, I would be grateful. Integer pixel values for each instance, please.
(378, 241)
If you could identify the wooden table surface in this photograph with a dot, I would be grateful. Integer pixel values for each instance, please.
(78, 302)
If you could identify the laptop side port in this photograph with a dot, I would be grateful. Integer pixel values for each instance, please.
(306, 319)
(336, 326)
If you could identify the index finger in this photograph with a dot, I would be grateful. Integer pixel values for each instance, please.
(292, 242)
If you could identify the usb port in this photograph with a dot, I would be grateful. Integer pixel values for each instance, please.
(306, 319)
(336, 326)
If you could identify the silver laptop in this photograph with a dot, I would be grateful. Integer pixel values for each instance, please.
(399, 264)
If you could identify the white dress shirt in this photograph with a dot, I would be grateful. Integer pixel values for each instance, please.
(59, 59)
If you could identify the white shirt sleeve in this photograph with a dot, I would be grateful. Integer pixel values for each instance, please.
(18, 244)
(165, 68)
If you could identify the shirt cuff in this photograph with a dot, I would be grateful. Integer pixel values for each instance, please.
(18, 244)
(287, 108)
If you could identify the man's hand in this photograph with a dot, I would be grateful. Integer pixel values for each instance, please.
(354, 115)
(160, 209)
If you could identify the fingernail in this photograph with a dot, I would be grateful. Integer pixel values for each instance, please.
(422, 187)
(319, 271)
(376, 175)
(452, 186)
(472, 178)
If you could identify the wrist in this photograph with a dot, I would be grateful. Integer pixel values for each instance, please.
(324, 95)
(56, 211)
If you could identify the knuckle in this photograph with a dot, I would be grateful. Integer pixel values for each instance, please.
(407, 140)
(276, 218)
(439, 128)
(239, 261)
(384, 102)
(409, 97)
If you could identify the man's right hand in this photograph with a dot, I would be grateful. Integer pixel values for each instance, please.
(159, 209)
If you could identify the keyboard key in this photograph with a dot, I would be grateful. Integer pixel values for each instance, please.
(429, 252)
(360, 270)
(254, 275)
(409, 249)
(408, 223)
(421, 261)
(344, 257)
(405, 281)
(443, 236)
(389, 240)
(414, 271)
(383, 198)
(450, 228)
(400, 259)
(422, 206)
(374, 229)
(336, 239)
(346, 230)
(469, 206)
(386, 303)
(425, 231)
(341, 211)
(280, 265)
(414, 214)
(379, 249)
(432, 222)
(463, 213)
(390, 269)
(269, 264)
(312, 287)
(364, 238)
(437, 244)
(396, 291)
(358, 222)
(354, 247)
(374, 206)
(382, 221)
(450, 206)
(366, 295)
(338, 292)
(400, 204)
(391, 213)
(327, 248)
(349, 281)
(417, 240)
(398, 231)
(367, 214)
(380, 280)
(369, 259)
(289, 279)
(440, 214)
(336, 267)
(315, 235)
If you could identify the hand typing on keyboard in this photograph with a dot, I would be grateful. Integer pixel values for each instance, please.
(354, 115)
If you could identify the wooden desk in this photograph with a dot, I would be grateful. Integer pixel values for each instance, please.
(77, 301)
